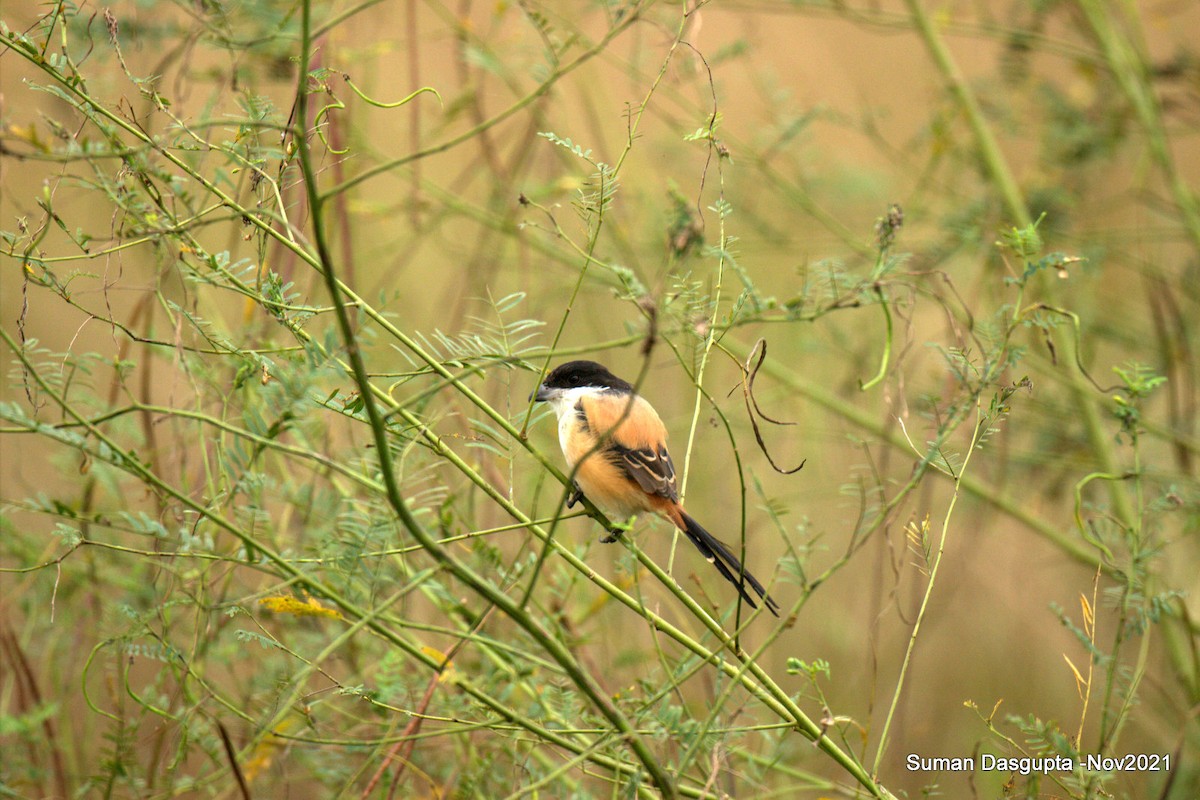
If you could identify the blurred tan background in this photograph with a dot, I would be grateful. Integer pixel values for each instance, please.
(829, 115)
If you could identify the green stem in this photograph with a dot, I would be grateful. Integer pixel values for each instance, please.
(1128, 68)
(989, 149)
(887, 342)
(933, 571)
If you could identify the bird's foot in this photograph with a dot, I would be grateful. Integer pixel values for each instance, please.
(616, 531)
(576, 496)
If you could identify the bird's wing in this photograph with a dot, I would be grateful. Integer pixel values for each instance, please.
(650, 467)
(633, 438)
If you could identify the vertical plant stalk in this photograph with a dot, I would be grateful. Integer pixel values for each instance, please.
(933, 571)
(1128, 68)
(889, 335)
(989, 149)
(1111, 721)
(709, 339)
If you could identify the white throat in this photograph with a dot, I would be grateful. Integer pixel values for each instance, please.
(564, 401)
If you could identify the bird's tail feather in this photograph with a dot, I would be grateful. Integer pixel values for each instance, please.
(721, 557)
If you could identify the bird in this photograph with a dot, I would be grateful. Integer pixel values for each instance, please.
(616, 445)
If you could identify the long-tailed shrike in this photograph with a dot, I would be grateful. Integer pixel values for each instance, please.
(617, 446)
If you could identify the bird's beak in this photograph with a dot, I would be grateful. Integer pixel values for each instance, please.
(544, 393)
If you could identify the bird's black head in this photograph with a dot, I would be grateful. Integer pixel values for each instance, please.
(576, 374)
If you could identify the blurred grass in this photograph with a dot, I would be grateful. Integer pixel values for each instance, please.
(205, 575)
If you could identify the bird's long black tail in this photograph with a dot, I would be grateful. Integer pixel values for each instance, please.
(726, 563)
